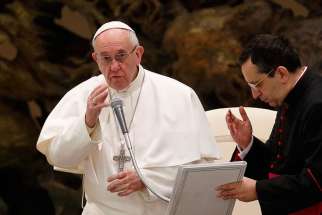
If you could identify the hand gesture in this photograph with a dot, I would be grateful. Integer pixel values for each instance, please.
(125, 183)
(96, 101)
(240, 130)
(245, 190)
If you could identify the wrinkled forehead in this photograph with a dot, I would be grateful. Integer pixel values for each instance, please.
(112, 39)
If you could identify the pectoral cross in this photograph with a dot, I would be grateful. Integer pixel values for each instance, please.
(121, 158)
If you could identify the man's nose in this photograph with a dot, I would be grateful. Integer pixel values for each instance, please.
(115, 65)
(255, 93)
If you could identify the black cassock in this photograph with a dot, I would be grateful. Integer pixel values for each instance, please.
(293, 151)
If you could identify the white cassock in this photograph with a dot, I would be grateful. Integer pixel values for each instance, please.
(169, 128)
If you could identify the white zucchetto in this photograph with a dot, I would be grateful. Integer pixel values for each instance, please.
(111, 25)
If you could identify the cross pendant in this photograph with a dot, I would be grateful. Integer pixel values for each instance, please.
(121, 158)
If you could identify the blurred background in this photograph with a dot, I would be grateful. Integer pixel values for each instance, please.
(45, 51)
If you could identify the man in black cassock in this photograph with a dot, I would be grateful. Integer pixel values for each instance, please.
(285, 174)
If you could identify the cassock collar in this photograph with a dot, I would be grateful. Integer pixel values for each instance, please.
(299, 89)
(135, 84)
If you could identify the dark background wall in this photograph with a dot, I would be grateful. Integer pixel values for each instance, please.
(45, 51)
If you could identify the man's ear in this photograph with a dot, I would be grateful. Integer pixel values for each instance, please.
(283, 74)
(139, 53)
(94, 57)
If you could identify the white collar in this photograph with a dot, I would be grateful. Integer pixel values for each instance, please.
(304, 70)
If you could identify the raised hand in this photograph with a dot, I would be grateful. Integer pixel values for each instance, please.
(124, 183)
(240, 129)
(95, 102)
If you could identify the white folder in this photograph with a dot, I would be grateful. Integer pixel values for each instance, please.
(194, 191)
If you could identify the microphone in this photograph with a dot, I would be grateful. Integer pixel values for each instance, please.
(117, 106)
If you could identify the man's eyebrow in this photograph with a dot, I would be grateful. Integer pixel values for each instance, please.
(109, 54)
(104, 53)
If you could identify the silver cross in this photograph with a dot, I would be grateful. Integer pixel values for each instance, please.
(121, 158)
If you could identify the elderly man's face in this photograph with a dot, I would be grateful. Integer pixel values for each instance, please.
(117, 57)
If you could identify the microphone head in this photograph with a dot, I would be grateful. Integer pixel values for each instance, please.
(116, 102)
(117, 107)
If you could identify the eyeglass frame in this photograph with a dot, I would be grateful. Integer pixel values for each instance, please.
(255, 85)
(119, 57)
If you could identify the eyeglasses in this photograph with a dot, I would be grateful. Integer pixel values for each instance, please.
(119, 57)
(256, 85)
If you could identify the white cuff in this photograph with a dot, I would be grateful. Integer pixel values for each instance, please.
(90, 130)
(94, 133)
(242, 153)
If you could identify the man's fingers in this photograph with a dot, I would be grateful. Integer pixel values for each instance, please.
(124, 183)
(232, 118)
(98, 98)
(231, 122)
(243, 113)
(117, 187)
(116, 176)
(126, 192)
(119, 182)
(112, 178)
(228, 116)
(101, 96)
(230, 196)
(99, 106)
(132, 187)
(234, 128)
(229, 186)
(227, 191)
(99, 89)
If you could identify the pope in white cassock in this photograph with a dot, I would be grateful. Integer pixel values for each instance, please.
(166, 121)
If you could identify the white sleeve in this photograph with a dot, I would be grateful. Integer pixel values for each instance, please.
(64, 138)
(72, 146)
